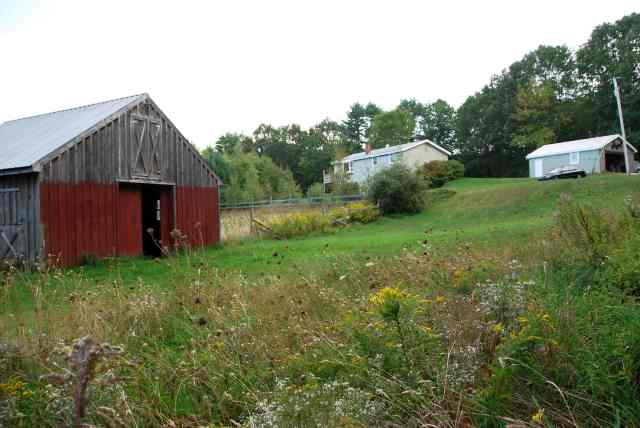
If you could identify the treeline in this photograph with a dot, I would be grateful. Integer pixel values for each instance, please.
(552, 94)
(247, 164)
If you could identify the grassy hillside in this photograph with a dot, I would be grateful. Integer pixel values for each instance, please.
(402, 322)
(491, 213)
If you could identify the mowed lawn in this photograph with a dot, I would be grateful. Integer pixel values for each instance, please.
(488, 213)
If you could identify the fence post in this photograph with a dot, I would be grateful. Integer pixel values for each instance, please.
(251, 228)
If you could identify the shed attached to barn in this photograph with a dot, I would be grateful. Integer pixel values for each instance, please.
(108, 179)
(593, 155)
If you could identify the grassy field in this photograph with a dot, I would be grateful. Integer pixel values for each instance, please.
(236, 335)
(485, 212)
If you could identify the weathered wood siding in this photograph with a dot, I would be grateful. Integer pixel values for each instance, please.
(19, 212)
(113, 153)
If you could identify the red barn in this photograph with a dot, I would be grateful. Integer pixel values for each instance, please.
(107, 179)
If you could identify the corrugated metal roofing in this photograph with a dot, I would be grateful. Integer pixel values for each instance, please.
(595, 143)
(25, 141)
(393, 149)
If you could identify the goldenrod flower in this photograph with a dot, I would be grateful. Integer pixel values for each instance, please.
(428, 330)
(388, 301)
(387, 294)
(538, 417)
(498, 328)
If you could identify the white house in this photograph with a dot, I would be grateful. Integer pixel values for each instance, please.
(594, 155)
(361, 166)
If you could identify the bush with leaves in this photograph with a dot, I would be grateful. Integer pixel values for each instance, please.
(342, 185)
(397, 190)
(438, 173)
(316, 190)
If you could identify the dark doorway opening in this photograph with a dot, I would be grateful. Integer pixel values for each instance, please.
(614, 162)
(151, 230)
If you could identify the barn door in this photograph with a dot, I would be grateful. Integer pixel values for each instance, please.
(12, 225)
(129, 222)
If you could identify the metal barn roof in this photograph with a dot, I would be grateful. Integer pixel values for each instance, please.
(595, 143)
(25, 141)
(393, 149)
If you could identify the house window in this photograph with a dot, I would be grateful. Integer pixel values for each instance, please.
(574, 158)
(348, 167)
(375, 161)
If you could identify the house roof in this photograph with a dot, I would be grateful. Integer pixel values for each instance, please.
(393, 149)
(23, 142)
(583, 145)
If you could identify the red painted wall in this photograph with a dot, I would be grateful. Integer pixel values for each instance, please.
(197, 214)
(78, 219)
(129, 222)
(104, 220)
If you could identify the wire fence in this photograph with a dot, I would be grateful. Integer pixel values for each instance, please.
(311, 201)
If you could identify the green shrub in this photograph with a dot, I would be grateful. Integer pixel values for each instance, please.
(397, 190)
(440, 172)
(455, 169)
(342, 185)
(316, 190)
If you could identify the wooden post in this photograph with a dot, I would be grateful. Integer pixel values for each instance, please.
(251, 214)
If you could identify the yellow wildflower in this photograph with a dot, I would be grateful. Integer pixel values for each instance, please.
(538, 417)
(440, 299)
(545, 317)
(428, 330)
(498, 328)
(387, 294)
(522, 320)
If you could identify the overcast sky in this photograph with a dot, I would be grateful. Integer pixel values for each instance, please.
(227, 66)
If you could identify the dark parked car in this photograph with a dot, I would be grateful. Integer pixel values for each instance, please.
(563, 172)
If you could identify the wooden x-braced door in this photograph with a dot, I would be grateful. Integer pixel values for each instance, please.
(147, 147)
(12, 224)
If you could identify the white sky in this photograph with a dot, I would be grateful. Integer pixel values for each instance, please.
(226, 66)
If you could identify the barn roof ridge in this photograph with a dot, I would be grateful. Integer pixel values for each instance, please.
(76, 108)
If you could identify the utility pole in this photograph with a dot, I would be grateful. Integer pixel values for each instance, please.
(616, 91)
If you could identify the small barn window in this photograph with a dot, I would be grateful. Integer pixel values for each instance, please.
(574, 158)
(375, 161)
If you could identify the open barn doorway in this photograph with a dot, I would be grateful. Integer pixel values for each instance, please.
(145, 219)
(151, 220)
